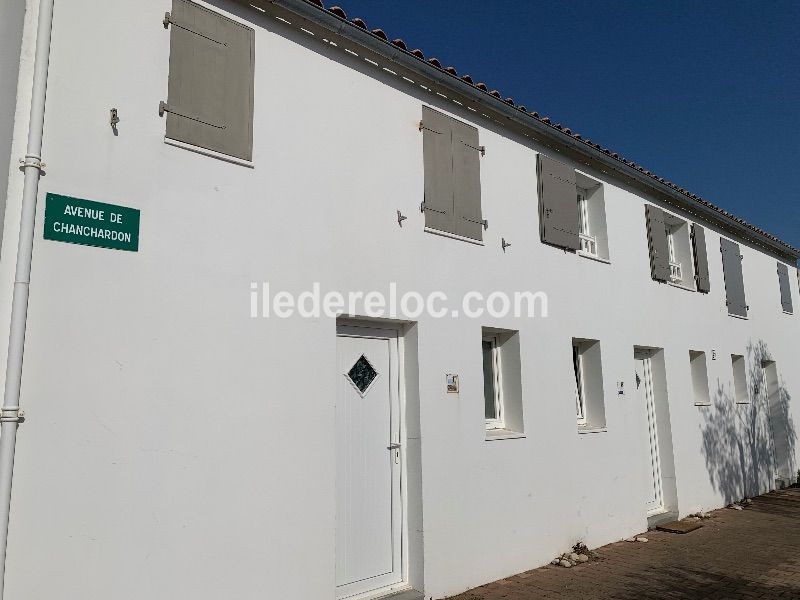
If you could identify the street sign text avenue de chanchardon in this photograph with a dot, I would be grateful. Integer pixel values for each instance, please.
(79, 221)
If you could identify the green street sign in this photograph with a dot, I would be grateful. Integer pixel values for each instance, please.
(78, 221)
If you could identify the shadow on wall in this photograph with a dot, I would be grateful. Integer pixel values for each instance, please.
(750, 444)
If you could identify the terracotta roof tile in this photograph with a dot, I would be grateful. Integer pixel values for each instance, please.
(399, 43)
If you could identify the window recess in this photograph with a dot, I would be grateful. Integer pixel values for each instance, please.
(210, 91)
(699, 371)
(502, 389)
(587, 370)
(670, 246)
(740, 379)
(591, 218)
(571, 209)
(451, 155)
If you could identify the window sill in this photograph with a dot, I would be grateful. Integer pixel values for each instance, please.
(701, 404)
(454, 236)
(682, 286)
(743, 402)
(503, 434)
(589, 429)
(593, 257)
(206, 152)
(788, 312)
(744, 318)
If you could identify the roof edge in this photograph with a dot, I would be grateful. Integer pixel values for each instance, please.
(314, 11)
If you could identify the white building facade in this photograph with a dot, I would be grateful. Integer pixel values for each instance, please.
(181, 439)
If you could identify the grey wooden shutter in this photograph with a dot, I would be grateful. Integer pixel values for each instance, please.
(786, 291)
(700, 259)
(210, 95)
(657, 242)
(467, 181)
(437, 150)
(558, 203)
(734, 283)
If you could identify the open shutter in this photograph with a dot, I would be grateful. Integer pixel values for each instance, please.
(467, 181)
(210, 96)
(734, 283)
(438, 159)
(657, 242)
(558, 203)
(786, 291)
(700, 258)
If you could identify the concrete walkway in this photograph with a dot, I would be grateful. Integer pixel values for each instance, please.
(752, 553)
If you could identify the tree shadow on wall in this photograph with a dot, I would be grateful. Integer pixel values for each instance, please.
(739, 440)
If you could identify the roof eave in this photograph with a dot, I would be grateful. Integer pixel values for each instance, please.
(312, 12)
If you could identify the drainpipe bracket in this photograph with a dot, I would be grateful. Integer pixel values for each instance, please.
(31, 160)
(11, 414)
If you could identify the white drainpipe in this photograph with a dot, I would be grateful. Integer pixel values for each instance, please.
(32, 164)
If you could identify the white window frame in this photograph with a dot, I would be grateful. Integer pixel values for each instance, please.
(675, 268)
(580, 389)
(588, 242)
(498, 422)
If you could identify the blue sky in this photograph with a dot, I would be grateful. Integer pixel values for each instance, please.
(705, 94)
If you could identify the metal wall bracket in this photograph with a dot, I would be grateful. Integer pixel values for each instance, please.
(505, 244)
(32, 161)
(11, 414)
(114, 119)
(400, 218)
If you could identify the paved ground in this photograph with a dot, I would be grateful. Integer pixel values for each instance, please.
(752, 553)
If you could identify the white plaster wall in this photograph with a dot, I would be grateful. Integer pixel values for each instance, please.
(174, 446)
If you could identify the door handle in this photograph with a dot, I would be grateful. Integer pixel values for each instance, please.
(393, 446)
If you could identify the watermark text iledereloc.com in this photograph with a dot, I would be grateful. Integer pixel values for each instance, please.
(266, 302)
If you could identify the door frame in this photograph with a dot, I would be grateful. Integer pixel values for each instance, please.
(652, 437)
(394, 334)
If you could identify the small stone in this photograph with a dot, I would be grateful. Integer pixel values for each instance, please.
(748, 501)
(565, 563)
(735, 507)
(693, 518)
(555, 561)
(582, 558)
(573, 557)
(641, 538)
(633, 539)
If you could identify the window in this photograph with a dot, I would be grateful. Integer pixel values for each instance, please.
(502, 389)
(676, 256)
(734, 280)
(699, 370)
(564, 222)
(588, 243)
(210, 92)
(492, 399)
(451, 154)
(588, 372)
(785, 288)
(580, 398)
(675, 268)
(740, 379)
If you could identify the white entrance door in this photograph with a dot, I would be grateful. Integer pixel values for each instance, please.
(644, 393)
(368, 462)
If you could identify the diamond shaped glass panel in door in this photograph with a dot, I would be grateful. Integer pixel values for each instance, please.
(362, 374)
